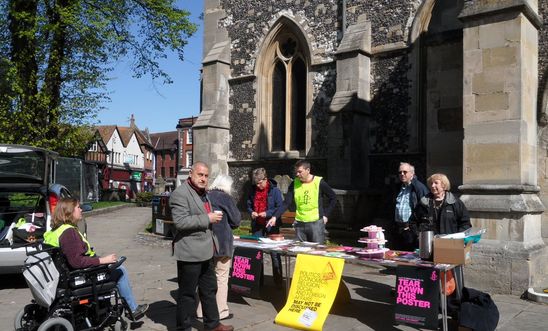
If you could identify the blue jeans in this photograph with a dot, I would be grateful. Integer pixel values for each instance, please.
(124, 287)
(259, 230)
(310, 231)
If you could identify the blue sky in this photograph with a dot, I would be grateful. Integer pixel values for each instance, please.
(154, 105)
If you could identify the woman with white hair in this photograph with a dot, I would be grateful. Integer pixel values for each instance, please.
(440, 211)
(221, 201)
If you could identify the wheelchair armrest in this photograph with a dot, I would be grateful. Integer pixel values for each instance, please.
(99, 268)
(118, 263)
(90, 270)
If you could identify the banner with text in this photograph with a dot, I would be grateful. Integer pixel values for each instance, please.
(313, 289)
(245, 275)
(417, 296)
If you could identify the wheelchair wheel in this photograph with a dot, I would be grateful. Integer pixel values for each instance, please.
(56, 324)
(27, 318)
(120, 325)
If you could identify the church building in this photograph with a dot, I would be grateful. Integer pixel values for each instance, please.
(358, 86)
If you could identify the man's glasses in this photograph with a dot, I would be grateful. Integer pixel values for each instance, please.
(403, 172)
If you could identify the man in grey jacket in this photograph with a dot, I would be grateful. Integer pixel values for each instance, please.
(193, 246)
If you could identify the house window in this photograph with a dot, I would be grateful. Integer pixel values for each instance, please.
(163, 172)
(189, 136)
(171, 172)
(188, 163)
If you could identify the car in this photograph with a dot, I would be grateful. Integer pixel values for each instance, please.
(28, 196)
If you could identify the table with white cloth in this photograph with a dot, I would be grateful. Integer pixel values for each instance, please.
(390, 259)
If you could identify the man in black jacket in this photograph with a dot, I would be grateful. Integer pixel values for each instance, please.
(409, 195)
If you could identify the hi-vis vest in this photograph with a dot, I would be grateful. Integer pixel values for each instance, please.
(52, 238)
(307, 199)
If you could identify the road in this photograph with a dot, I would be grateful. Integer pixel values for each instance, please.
(153, 275)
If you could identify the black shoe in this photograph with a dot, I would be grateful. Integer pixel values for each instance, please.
(230, 315)
(139, 312)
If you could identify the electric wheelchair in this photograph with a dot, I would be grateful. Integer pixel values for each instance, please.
(85, 299)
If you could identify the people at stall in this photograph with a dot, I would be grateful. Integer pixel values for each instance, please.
(221, 201)
(306, 194)
(409, 194)
(440, 210)
(79, 254)
(263, 200)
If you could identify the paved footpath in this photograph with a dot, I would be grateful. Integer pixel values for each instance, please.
(153, 275)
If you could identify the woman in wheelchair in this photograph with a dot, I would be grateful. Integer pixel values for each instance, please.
(79, 254)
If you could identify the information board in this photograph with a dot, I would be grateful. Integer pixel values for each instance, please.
(245, 274)
(417, 297)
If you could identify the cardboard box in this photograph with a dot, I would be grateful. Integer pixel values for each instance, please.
(451, 251)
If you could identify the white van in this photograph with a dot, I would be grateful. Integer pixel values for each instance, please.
(27, 197)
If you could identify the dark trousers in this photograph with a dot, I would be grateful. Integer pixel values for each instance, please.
(259, 230)
(189, 276)
(310, 231)
(403, 240)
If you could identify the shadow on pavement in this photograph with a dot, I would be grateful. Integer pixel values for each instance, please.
(162, 312)
(12, 281)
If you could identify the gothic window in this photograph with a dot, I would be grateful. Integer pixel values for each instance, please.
(288, 95)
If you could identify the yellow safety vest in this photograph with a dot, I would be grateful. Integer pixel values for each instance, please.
(52, 238)
(307, 199)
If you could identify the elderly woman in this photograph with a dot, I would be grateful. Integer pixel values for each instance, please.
(440, 211)
(221, 201)
(263, 200)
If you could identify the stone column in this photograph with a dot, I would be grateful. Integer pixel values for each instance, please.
(349, 110)
(500, 55)
(211, 130)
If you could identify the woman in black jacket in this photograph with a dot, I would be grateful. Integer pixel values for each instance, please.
(440, 211)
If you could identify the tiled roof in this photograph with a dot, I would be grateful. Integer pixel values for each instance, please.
(125, 134)
(164, 140)
(106, 131)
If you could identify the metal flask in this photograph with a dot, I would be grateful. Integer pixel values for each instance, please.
(426, 239)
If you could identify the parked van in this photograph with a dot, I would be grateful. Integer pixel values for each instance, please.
(28, 197)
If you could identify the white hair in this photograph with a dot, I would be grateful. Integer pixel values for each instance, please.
(223, 183)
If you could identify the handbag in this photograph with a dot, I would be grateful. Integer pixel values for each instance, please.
(22, 236)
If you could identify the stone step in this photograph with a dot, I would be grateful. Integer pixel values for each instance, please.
(537, 294)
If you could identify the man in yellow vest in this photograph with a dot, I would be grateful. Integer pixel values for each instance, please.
(306, 193)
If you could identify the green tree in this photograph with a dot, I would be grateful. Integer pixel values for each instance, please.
(55, 56)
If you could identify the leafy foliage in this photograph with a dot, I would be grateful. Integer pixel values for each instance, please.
(144, 198)
(55, 57)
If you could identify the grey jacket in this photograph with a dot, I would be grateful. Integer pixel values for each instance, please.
(194, 241)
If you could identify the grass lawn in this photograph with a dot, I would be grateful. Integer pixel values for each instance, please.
(105, 204)
(243, 229)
